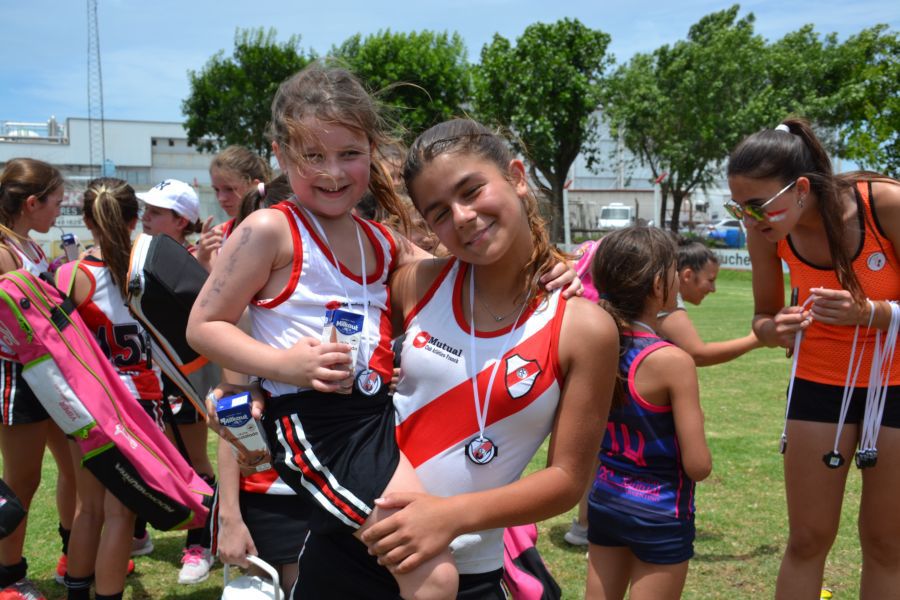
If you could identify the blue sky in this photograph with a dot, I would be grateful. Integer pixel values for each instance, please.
(148, 47)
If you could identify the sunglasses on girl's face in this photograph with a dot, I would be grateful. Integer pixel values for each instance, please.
(756, 212)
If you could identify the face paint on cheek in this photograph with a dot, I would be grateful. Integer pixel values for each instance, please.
(775, 216)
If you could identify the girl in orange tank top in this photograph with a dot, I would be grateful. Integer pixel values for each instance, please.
(838, 235)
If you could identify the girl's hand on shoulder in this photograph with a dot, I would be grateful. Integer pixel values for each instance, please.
(563, 275)
(836, 307)
(422, 528)
(788, 321)
(325, 367)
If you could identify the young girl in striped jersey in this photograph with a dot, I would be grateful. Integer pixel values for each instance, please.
(641, 504)
(329, 423)
(31, 193)
(101, 537)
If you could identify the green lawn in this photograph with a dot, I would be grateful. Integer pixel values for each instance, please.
(741, 523)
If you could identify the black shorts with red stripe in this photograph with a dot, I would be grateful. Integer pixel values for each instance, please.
(18, 404)
(339, 449)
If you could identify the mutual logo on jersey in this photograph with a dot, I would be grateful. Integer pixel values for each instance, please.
(520, 375)
(427, 341)
(876, 261)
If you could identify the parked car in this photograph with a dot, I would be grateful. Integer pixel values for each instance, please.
(615, 216)
(726, 232)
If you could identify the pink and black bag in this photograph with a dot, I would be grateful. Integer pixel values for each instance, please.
(11, 510)
(80, 389)
(524, 572)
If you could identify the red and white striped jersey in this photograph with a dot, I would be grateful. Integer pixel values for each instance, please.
(318, 284)
(435, 402)
(35, 267)
(119, 335)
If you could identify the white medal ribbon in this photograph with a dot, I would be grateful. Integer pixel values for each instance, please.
(879, 380)
(798, 337)
(340, 282)
(481, 412)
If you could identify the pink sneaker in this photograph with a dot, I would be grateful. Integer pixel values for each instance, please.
(195, 564)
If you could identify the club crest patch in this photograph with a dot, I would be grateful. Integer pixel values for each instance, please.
(520, 375)
(876, 261)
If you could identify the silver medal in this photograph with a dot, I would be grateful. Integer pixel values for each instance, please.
(368, 382)
(481, 450)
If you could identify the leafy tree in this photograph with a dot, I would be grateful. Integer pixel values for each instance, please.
(868, 104)
(545, 90)
(682, 108)
(423, 76)
(231, 97)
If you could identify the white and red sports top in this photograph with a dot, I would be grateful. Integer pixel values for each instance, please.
(35, 267)
(118, 333)
(318, 284)
(435, 403)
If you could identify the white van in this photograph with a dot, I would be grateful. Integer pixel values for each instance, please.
(615, 216)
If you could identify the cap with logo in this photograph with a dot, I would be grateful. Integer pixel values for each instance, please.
(174, 195)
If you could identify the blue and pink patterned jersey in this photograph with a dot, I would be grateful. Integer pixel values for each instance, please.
(640, 469)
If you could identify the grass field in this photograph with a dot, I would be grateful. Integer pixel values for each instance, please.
(741, 522)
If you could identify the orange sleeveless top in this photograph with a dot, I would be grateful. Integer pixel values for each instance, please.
(825, 350)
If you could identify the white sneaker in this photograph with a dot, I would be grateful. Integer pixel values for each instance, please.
(195, 564)
(142, 545)
(576, 535)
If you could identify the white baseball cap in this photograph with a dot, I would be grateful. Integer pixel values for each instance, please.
(174, 195)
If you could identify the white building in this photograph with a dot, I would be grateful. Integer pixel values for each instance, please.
(620, 178)
(141, 152)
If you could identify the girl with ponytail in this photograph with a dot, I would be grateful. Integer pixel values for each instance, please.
(838, 235)
(31, 193)
(102, 531)
(644, 541)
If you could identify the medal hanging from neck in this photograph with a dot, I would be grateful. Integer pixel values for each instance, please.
(480, 449)
(367, 381)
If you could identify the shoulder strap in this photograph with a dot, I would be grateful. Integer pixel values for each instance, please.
(70, 286)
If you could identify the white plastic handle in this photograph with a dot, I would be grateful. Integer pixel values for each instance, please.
(269, 569)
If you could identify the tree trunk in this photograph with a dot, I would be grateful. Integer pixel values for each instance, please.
(556, 223)
(663, 201)
(677, 199)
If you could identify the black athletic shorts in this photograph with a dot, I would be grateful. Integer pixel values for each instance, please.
(154, 410)
(339, 566)
(183, 410)
(18, 404)
(820, 402)
(277, 523)
(339, 449)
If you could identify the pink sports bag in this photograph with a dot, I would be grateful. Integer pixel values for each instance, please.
(585, 253)
(524, 572)
(80, 389)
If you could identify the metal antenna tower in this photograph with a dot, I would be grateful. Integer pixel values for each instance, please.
(97, 135)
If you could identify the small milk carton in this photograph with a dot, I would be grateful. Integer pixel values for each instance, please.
(240, 429)
(344, 326)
